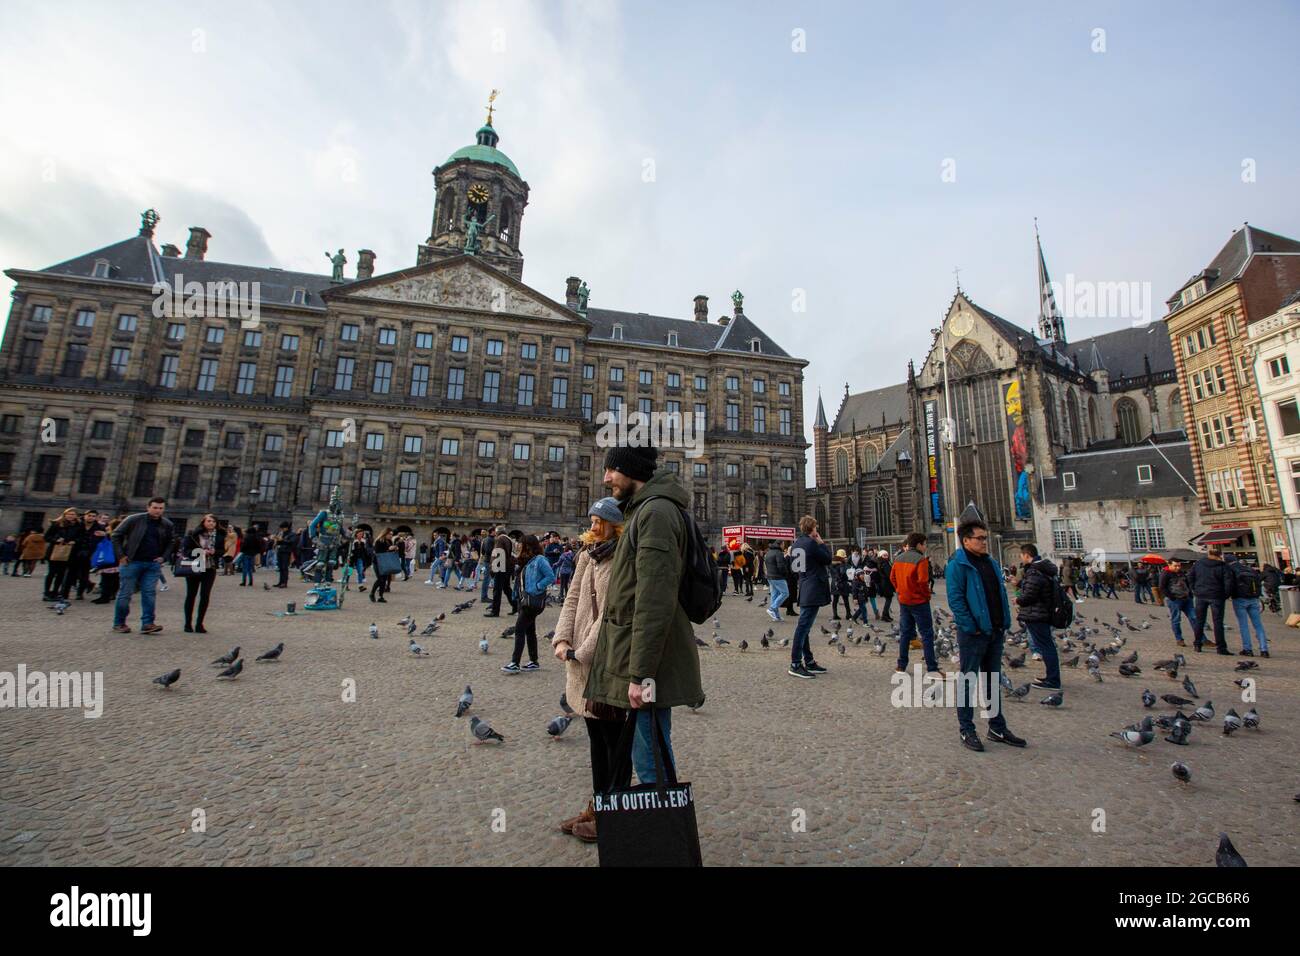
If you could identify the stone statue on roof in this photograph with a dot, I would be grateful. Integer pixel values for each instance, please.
(583, 294)
(338, 261)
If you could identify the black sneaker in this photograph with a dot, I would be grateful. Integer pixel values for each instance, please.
(1246, 653)
(490, 614)
(1224, 652)
(1005, 737)
(1263, 653)
(511, 668)
(1042, 684)
(800, 672)
(812, 667)
(971, 741)
(531, 666)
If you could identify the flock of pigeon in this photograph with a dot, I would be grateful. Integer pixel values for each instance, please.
(1083, 637)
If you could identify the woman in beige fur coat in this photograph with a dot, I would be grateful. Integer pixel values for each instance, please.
(575, 644)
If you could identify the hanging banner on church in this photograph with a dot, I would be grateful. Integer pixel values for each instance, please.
(932, 459)
(1018, 442)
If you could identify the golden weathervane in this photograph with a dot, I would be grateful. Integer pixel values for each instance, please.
(492, 96)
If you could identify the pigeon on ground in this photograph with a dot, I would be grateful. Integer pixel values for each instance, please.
(1148, 698)
(1164, 665)
(227, 659)
(416, 649)
(410, 629)
(1175, 700)
(1251, 719)
(1189, 686)
(233, 670)
(822, 626)
(443, 617)
(273, 654)
(429, 629)
(265, 586)
(508, 631)
(880, 647)
(1129, 670)
(558, 726)
(1053, 700)
(1014, 662)
(1004, 680)
(1181, 773)
(1131, 659)
(1243, 684)
(1178, 735)
(483, 731)
(406, 621)
(374, 630)
(1231, 722)
(700, 643)
(764, 642)
(744, 645)
(1095, 674)
(1135, 738)
(1204, 712)
(841, 649)
(1072, 662)
(1245, 665)
(1226, 855)
(166, 680)
(785, 642)
(464, 702)
(483, 645)
(1019, 693)
(719, 640)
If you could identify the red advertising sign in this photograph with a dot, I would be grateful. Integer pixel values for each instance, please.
(743, 531)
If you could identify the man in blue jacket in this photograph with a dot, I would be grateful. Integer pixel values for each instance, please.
(978, 601)
(809, 558)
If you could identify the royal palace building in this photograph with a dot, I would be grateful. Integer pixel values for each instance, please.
(447, 393)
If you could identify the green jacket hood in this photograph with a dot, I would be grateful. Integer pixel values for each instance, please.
(665, 484)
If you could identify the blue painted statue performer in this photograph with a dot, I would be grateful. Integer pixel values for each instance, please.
(326, 530)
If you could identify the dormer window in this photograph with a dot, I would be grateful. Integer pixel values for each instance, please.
(672, 340)
(101, 269)
(1144, 474)
(617, 334)
(756, 345)
(1193, 292)
(299, 296)
(1067, 481)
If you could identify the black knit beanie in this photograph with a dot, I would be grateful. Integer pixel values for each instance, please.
(638, 463)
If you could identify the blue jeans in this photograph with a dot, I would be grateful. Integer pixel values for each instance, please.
(981, 662)
(484, 579)
(780, 592)
(800, 650)
(137, 575)
(1248, 613)
(1177, 607)
(1040, 638)
(643, 755)
(247, 564)
(360, 567)
(911, 619)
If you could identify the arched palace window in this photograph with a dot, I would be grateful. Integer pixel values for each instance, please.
(841, 467)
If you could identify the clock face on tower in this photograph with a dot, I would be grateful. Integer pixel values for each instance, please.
(961, 324)
(478, 193)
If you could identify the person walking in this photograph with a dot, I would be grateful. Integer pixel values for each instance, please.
(791, 584)
(1178, 598)
(109, 577)
(775, 568)
(89, 533)
(1142, 584)
(566, 567)
(724, 565)
(383, 582)
(409, 549)
(1211, 584)
(577, 635)
(1035, 601)
(885, 587)
(978, 601)
(284, 542)
(502, 563)
(250, 549)
(485, 545)
(61, 540)
(811, 558)
(9, 562)
(1247, 589)
(206, 540)
(646, 657)
(31, 549)
(839, 582)
(359, 557)
(142, 542)
(535, 576)
(910, 578)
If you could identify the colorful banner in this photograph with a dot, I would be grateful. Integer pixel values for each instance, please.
(932, 459)
(1018, 442)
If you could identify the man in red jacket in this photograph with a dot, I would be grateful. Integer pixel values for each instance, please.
(910, 576)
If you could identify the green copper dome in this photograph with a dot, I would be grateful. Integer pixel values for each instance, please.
(485, 151)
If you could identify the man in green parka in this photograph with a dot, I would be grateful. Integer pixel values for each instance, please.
(646, 657)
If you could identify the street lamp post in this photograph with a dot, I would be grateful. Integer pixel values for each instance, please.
(253, 497)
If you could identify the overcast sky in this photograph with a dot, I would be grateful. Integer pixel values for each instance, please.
(846, 155)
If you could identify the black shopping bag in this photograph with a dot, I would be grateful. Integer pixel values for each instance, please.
(651, 824)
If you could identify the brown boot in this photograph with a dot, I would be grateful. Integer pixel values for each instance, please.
(586, 815)
(585, 830)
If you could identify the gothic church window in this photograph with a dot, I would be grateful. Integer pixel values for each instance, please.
(1126, 421)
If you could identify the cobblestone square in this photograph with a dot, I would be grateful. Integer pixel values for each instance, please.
(286, 772)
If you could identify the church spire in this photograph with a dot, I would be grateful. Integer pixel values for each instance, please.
(1051, 324)
(821, 413)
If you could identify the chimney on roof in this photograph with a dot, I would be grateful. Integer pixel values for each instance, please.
(365, 263)
(197, 246)
(171, 250)
(701, 308)
(571, 292)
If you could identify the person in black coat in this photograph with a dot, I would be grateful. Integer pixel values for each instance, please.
(1211, 583)
(1035, 602)
(202, 550)
(839, 578)
(810, 558)
(884, 586)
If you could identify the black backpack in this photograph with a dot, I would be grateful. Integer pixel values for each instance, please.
(1247, 582)
(1062, 606)
(700, 590)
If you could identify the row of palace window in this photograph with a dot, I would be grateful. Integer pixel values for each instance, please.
(1145, 533)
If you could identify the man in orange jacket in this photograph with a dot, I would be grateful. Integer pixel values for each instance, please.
(910, 576)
